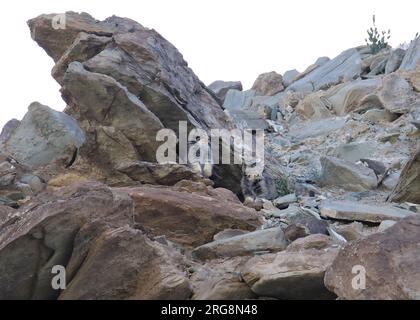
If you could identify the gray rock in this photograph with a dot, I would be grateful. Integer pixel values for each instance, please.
(356, 211)
(236, 99)
(284, 201)
(221, 88)
(412, 56)
(272, 239)
(228, 233)
(34, 182)
(346, 66)
(7, 174)
(394, 60)
(317, 128)
(385, 225)
(289, 77)
(43, 137)
(391, 181)
(355, 151)
(8, 129)
(346, 175)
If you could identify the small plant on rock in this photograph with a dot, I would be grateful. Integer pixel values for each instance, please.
(376, 40)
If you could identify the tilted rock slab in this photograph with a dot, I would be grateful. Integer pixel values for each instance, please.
(355, 211)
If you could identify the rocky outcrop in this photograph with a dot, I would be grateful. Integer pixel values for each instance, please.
(382, 266)
(345, 67)
(122, 83)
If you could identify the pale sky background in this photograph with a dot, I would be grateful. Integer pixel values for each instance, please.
(220, 39)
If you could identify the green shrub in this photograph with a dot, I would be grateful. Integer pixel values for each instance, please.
(376, 40)
(282, 187)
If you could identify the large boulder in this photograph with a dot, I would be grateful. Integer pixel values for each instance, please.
(221, 280)
(347, 175)
(289, 77)
(44, 137)
(270, 240)
(345, 67)
(296, 273)
(189, 213)
(382, 266)
(268, 84)
(408, 187)
(88, 229)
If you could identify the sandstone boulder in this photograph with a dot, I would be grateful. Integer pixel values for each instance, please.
(269, 83)
(390, 262)
(190, 217)
(296, 273)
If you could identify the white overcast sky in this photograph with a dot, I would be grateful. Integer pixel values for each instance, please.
(220, 39)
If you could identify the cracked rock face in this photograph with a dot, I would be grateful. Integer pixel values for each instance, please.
(121, 78)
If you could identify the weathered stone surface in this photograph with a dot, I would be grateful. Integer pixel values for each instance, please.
(390, 259)
(355, 211)
(412, 55)
(44, 137)
(221, 280)
(296, 273)
(344, 174)
(271, 240)
(190, 218)
(408, 187)
(221, 88)
(79, 227)
(84, 47)
(346, 66)
(269, 83)
(346, 97)
(394, 60)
